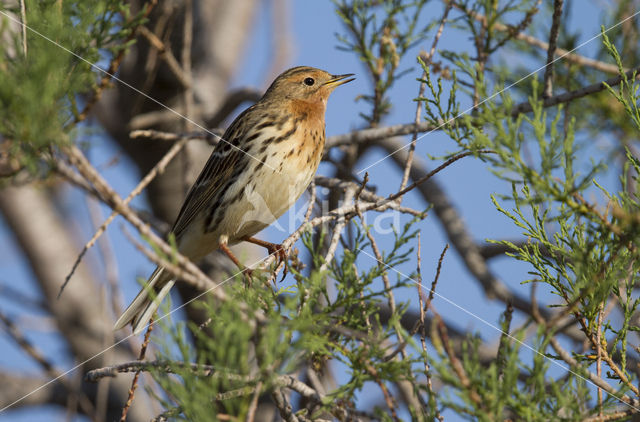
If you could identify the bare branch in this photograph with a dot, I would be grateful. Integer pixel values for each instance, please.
(167, 55)
(134, 382)
(29, 213)
(575, 94)
(157, 169)
(423, 327)
(283, 406)
(457, 231)
(553, 38)
(566, 55)
(47, 366)
(366, 136)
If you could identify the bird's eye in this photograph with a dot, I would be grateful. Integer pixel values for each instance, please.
(309, 81)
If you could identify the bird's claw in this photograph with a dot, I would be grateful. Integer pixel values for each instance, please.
(281, 257)
(278, 251)
(248, 273)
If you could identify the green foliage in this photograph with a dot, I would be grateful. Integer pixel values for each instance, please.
(627, 93)
(584, 251)
(510, 388)
(381, 34)
(580, 243)
(41, 88)
(304, 324)
(581, 252)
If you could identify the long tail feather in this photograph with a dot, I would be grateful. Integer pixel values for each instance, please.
(147, 301)
(151, 306)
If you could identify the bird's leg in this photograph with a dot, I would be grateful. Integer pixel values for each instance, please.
(272, 248)
(247, 271)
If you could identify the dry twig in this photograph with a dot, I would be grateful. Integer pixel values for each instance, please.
(134, 382)
(566, 55)
(423, 329)
(551, 51)
(426, 61)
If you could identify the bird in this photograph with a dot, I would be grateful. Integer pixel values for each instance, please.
(259, 168)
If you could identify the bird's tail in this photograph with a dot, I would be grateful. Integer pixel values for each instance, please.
(140, 311)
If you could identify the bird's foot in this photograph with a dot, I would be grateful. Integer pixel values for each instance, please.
(275, 249)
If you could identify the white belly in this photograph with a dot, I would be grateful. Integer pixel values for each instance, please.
(267, 197)
(263, 193)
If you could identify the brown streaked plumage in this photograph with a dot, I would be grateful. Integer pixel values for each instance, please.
(264, 162)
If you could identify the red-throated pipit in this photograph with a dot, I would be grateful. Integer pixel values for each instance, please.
(262, 165)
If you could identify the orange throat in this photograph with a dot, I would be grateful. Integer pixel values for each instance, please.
(310, 116)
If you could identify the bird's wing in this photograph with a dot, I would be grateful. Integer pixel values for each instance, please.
(215, 174)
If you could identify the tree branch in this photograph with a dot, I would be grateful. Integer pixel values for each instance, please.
(566, 55)
(553, 38)
(29, 213)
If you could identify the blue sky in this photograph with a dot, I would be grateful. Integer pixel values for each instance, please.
(312, 27)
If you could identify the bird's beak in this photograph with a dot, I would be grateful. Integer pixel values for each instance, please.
(337, 80)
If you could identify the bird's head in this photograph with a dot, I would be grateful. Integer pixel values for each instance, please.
(306, 84)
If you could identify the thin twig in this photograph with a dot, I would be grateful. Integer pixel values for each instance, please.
(253, 406)
(26, 345)
(367, 136)
(23, 17)
(187, 38)
(337, 230)
(501, 358)
(184, 269)
(423, 334)
(455, 362)
(432, 292)
(64, 170)
(167, 55)
(385, 276)
(163, 20)
(365, 194)
(165, 366)
(134, 383)
(32, 351)
(155, 171)
(170, 367)
(109, 262)
(553, 38)
(436, 171)
(598, 381)
(283, 406)
(614, 416)
(566, 55)
(426, 61)
(388, 398)
(599, 356)
(526, 107)
(113, 65)
(174, 137)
